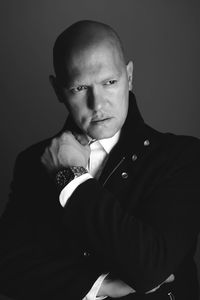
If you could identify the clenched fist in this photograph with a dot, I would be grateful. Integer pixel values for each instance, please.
(65, 151)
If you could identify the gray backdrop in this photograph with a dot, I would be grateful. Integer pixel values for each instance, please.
(160, 36)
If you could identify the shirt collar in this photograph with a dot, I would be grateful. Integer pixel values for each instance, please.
(109, 143)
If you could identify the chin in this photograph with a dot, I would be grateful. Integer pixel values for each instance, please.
(102, 134)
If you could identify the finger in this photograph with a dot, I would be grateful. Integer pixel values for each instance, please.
(44, 156)
(82, 139)
(52, 156)
(48, 158)
(170, 278)
(45, 160)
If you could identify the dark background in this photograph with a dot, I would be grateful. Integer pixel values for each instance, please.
(160, 36)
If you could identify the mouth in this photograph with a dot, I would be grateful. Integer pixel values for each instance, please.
(100, 121)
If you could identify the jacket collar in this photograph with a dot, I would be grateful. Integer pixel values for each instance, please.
(131, 141)
(133, 129)
(133, 125)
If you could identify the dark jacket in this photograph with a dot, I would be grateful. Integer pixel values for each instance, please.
(139, 222)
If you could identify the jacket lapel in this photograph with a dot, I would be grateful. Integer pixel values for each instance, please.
(128, 141)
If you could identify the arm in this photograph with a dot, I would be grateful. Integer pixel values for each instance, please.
(157, 242)
(35, 260)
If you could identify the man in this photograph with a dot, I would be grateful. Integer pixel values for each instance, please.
(109, 207)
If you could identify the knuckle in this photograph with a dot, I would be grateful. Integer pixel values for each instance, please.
(53, 142)
(45, 153)
(65, 136)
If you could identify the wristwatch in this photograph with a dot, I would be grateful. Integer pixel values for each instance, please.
(65, 175)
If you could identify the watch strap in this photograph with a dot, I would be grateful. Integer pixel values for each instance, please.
(66, 175)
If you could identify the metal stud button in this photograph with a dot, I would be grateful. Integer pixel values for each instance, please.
(146, 143)
(86, 254)
(134, 157)
(124, 175)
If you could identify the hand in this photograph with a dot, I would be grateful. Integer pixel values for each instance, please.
(65, 151)
(117, 288)
(114, 288)
(170, 279)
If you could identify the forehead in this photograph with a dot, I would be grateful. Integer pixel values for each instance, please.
(94, 61)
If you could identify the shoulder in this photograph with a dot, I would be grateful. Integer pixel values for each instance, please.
(31, 156)
(35, 149)
(175, 150)
(172, 143)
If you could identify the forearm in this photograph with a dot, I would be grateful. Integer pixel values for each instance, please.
(151, 255)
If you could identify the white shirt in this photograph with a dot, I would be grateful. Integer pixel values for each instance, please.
(99, 154)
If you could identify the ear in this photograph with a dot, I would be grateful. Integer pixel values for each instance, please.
(57, 89)
(129, 69)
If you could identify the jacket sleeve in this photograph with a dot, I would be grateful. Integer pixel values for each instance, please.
(34, 261)
(144, 249)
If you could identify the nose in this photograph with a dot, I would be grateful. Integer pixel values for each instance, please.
(96, 99)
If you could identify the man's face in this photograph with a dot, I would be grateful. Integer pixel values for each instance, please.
(97, 90)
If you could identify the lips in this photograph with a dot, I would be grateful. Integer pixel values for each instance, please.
(100, 120)
(96, 121)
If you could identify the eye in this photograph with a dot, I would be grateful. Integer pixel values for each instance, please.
(78, 89)
(111, 82)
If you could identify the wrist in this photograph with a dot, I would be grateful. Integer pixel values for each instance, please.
(65, 175)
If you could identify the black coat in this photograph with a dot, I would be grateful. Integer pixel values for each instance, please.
(139, 222)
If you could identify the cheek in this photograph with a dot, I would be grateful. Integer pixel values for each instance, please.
(79, 114)
(121, 99)
(74, 107)
(122, 105)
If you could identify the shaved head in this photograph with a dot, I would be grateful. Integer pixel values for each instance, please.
(82, 36)
(92, 79)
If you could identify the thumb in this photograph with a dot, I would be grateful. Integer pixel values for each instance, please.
(82, 139)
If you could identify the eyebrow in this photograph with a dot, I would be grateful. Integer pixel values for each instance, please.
(76, 82)
(117, 75)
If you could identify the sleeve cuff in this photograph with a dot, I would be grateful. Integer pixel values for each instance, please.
(92, 295)
(70, 188)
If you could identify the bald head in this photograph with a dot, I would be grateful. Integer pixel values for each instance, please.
(82, 36)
